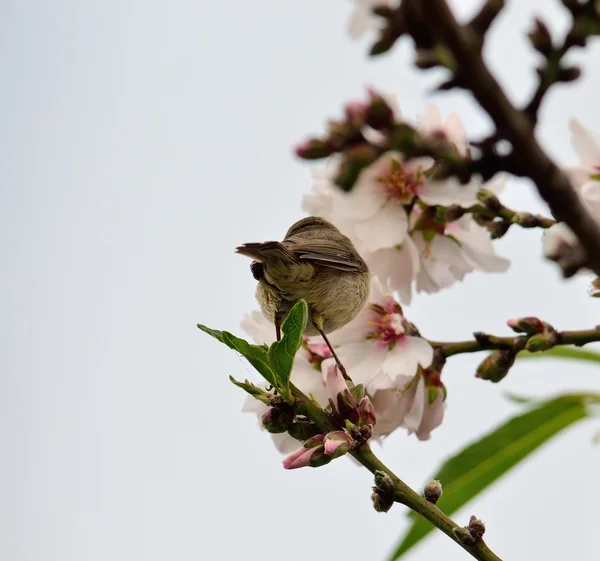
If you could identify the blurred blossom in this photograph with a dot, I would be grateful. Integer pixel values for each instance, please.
(389, 215)
(559, 240)
(586, 144)
(432, 124)
(363, 19)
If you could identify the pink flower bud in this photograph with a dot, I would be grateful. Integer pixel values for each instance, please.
(310, 454)
(314, 149)
(342, 402)
(366, 412)
(355, 112)
(299, 458)
(529, 325)
(337, 443)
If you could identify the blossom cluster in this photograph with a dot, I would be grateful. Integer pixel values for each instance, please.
(392, 213)
(417, 233)
(381, 352)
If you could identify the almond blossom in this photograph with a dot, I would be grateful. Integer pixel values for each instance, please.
(405, 401)
(380, 339)
(390, 216)
(381, 350)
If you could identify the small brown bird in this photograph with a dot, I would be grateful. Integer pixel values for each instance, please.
(314, 262)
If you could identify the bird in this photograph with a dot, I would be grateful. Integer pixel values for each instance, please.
(315, 262)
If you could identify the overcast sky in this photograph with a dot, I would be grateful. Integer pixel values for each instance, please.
(141, 141)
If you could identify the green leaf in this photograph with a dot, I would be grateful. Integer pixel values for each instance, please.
(255, 354)
(254, 391)
(480, 464)
(563, 352)
(281, 354)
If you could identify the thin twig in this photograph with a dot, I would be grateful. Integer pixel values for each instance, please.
(403, 493)
(484, 342)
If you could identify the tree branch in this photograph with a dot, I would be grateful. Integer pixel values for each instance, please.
(406, 496)
(402, 492)
(516, 127)
(484, 342)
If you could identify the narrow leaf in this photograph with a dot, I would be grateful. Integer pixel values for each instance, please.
(480, 464)
(281, 353)
(255, 354)
(254, 391)
(564, 352)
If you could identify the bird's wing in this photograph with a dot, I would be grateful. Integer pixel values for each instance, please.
(325, 254)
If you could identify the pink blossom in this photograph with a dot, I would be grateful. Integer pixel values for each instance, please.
(386, 215)
(377, 340)
(300, 458)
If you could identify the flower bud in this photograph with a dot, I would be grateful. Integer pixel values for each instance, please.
(489, 200)
(404, 139)
(356, 112)
(356, 159)
(542, 341)
(381, 503)
(568, 74)
(498, 228)
(379, 114)
(277, 420)
(342, 403)
(433, 491)
(383, 492)
(302, 428)
(463, 535)
(302, 456)
(337, 443)
(384, 482)
(366, 412)
(476, 527)
(540, 38)
(453, 213)
(496, 365)
(310, 454)
(530, 325)
(314, 149)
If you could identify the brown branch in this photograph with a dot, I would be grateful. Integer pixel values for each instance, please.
(485, 342)
(516, 127)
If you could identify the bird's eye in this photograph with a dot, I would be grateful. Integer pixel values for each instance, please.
(257, 270)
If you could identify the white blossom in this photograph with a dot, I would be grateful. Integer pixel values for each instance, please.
(363, 19)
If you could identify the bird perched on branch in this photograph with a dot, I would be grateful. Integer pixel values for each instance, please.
(317, 263)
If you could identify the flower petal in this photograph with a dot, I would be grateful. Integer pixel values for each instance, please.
(448, 192)
(585, 143)
(387, 228)
(362, 360)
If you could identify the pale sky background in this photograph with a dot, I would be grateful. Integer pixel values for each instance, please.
(141, 142)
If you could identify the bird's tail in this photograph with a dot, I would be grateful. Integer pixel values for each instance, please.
(267, 251)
